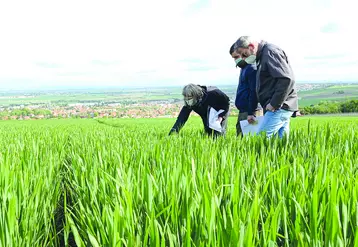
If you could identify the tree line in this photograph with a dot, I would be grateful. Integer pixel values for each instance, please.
(325, 107)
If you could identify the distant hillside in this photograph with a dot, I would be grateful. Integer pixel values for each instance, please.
(330, 93)
(308, 94)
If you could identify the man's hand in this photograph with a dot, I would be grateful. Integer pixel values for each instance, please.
(251, 119)
(269, 107)
(220, 119)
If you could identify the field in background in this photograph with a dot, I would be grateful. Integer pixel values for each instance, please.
(332, 93)
(309, 94)
(124, 182)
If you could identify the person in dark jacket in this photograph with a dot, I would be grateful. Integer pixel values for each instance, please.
(275, 84)
(246, 98)
(201, 99)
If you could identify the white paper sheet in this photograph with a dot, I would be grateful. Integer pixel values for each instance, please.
(213, 119)
(251, 129)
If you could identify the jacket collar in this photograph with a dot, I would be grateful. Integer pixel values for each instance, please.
(260, 48)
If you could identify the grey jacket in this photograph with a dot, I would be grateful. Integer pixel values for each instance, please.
(275, 81)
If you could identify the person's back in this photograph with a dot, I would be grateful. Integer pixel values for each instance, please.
(243, 92)
(246, 97)
(275, 64)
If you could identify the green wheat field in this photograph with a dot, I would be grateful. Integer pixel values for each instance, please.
(125, 182)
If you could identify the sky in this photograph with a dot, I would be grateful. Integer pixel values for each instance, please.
(75, 43)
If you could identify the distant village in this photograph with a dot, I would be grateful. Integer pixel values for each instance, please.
(149, 109)
(83, 110)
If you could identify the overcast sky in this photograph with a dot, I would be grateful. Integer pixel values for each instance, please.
(168, 42)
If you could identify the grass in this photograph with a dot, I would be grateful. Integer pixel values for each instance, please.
(126, 183)
(31, 157)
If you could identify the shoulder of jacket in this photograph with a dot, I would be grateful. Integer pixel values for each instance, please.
(215, 92)
(251, 67)
(273, 50)
(248, 70)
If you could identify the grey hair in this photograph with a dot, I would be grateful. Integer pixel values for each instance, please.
(192, 90)
(244, 42)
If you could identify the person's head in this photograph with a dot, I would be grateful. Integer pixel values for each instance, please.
(232, 49)
(234, 55)
(238, 61)
(192, 94)
(244, 51)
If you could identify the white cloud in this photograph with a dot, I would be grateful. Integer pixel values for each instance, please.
(142, 42)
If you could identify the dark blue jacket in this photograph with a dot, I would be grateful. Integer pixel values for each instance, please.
(246, 97)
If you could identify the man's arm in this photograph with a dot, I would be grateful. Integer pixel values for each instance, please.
(280, 69)
(181, 120)
(253, 101)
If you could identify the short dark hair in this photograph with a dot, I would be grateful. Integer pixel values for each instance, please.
(232, 48)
